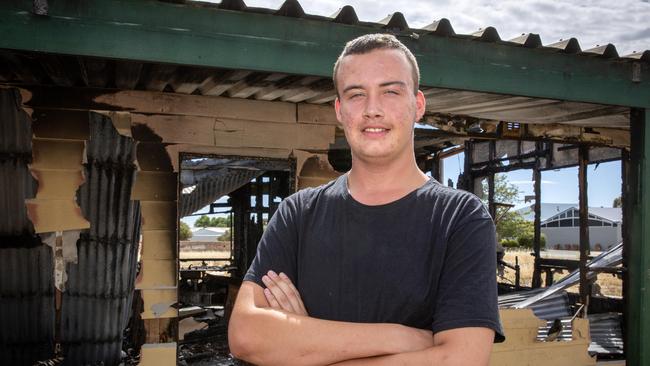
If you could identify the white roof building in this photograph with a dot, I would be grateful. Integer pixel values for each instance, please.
(562, 230)
(207, 233)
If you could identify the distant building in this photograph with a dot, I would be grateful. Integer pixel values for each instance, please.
(562, 229)
(547, 210)
(207, 233)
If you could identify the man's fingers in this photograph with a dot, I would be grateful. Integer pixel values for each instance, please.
(290, 292)
(295, 291)
(276, 291)
(273, 302)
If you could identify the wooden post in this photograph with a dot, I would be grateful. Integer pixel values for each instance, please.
(583, 160)
(537, 275)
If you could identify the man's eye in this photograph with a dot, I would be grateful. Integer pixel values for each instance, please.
(394, 92)
(356, 95)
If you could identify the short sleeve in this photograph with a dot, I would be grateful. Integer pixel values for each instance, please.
(467, 291)
(278, 247)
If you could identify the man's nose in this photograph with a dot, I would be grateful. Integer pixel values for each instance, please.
(373, 107)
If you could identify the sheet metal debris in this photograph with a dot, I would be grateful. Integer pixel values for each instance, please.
(608, 259)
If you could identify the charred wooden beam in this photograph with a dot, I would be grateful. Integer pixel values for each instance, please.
(583, 159)
(537, 178)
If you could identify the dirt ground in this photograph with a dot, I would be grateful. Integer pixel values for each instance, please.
(609, 284)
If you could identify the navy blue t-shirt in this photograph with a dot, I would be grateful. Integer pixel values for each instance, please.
(426, 260)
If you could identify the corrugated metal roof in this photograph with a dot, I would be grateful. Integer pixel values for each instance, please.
(97, 303)
(614, 214)
(611, 258)
(26, 266)
(605, 329)
(441, 103)
(553, 307)
(547, 210)
(49, 69)
(443, 27)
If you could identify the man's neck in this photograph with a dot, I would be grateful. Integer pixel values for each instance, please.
(378, 184)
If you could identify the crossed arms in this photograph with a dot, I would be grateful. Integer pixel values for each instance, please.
(271, 327)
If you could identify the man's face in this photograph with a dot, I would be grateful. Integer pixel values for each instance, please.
(377, 106)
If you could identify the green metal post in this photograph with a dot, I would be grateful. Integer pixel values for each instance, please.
(638, 255)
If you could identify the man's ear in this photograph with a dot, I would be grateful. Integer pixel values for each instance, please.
(420, 104)
(337, 108)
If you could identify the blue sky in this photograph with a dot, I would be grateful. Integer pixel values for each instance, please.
(558, 186)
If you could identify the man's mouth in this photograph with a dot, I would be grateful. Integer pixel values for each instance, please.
(375, 129)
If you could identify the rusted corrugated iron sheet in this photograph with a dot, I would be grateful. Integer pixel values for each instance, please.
(26, 283)
(96, 306)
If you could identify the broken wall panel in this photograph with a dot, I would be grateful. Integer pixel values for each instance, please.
(96, 305)
(521, 346)
(313, 170)
(57, 166)
(26, 283)
(158, 354)
(157, 188)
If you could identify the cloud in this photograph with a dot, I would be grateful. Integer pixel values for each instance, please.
(593, 22)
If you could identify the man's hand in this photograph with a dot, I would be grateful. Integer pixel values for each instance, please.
(282, 294)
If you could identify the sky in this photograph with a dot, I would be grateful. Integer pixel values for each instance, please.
(623, 23)
(558, 186)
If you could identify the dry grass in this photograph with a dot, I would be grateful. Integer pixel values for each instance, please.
(609, 284)
(203, 254)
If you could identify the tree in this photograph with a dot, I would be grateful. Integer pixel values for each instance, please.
(509, 222)
(184, 232)
(225, 236)
(618, 202)
(220, 221)
(203, 221)
(511, 225)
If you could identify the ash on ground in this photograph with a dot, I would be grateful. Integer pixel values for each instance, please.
(207, 346)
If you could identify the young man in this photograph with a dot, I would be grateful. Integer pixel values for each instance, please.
(383, 266)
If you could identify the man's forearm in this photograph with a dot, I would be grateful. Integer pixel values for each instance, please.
(424, 357)
(458, 347)
(268, 336)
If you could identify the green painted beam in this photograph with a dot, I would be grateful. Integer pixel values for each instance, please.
(152, 31)
(638, 250)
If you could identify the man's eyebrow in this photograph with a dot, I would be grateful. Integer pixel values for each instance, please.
(352, 87)
(390, 83)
